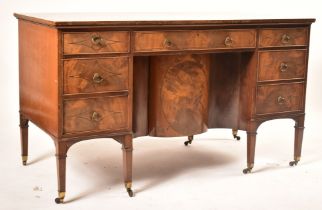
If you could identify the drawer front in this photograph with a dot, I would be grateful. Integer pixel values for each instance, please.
(280, 98)
(147, 41)
(96, 114)
(283, 37)
(277, 65)
(96, 75)
(96, 42)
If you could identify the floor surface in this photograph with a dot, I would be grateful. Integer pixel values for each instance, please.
(168, 175)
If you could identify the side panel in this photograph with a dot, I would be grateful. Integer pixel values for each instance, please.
(38, 75)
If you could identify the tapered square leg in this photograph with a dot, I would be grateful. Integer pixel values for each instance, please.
(251, 143)
(127, 148)
(24, 138)
(61, 154)
(298, 139)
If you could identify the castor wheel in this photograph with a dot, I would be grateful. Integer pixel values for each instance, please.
(130, 192)
(237, 137)
(24, 162)
(59, 200)
(190, 138)
(247, 170)
(293, 163)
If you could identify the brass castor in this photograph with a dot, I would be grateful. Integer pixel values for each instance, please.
(24, 160)
(60, 199)
(235, 131)
(130, 192)
(249, 168)
(128, 186)
(295, 161)
(190, 138)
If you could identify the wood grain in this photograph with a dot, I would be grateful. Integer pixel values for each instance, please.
(268, 98)
(112, 114)
(224, 90)
(179, 95)
(38, 75)
(286, 64)
(274, 37)
(96, 75)
(140, 95)
(193, 40)
(82, 43)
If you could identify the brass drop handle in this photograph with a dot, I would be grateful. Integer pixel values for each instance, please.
(97, 78)
(96, 117)
(228, 41)
(281, 100)
(286, 39)
(283, 67)
(98, 40)
(167, 43)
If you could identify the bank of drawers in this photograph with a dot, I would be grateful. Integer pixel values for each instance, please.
(281, 73)
(96, 87)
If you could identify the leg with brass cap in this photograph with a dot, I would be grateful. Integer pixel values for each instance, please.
(24, 159)
(235, 131)
(61, 155)
(127, 149)
(299, 129)
(24, 138)
(128, 186)
(60, 199)
(251, 142)
(190, 138)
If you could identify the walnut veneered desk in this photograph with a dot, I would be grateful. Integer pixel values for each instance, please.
(83, 79)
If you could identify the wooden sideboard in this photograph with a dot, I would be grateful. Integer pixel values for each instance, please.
(110, 77)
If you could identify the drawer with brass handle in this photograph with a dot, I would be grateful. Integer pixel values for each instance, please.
(283, 37)
(282, 64)
(96, 75)
(155, 41)
(96, 114)
(280, 98)
(96, 42)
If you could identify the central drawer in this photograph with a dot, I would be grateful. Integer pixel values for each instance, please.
(154, 41)
(96, 114)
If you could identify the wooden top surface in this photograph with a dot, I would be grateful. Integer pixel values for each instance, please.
(142, 19)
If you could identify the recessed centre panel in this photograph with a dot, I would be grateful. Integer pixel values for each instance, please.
(178, 100)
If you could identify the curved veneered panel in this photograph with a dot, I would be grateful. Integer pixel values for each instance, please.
(179, 95)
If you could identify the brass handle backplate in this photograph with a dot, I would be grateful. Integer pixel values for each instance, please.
(228, 41)
(96, 117)
(281, 100)
(167, 43)
(97, 78)
(283, 67)
(98, 40)
(286, 39)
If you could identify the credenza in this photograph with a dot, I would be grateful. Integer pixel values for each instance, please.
(86, 76)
